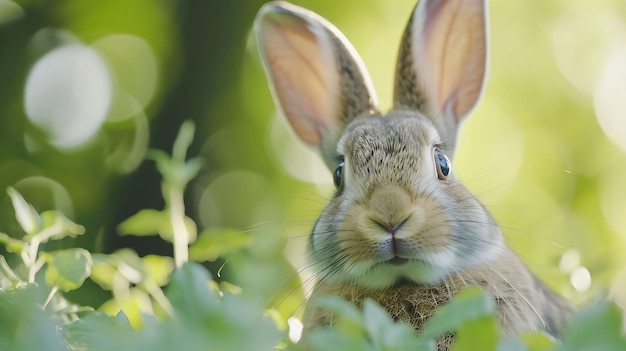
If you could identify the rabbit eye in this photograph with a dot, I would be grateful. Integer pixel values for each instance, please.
(442, 163)
(338, 175)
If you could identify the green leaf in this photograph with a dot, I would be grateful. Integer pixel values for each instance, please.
(53, 226)
(176, 172)
(469, 304)
(12, 245)
(213, 243)
(229, 288)
(478, 334)
(143, 223)
(377, 321)
(166, 231)
(538, 341)
(512, 344)
(108, 269)
(67, 269)
(157, 155)
(158, 268)
(190, 294)
(103, 271)
(190, 170)
(133, 304)
(25, 325)
(350, 320)
(99, 331)
(183, 140)
(328, 339)
(25, 214)
(286, 296)
(129, 265)
(150, 222)
(386, 334)
(597, 327)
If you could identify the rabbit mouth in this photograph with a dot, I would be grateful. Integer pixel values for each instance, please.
(386, 273)
(397, 261)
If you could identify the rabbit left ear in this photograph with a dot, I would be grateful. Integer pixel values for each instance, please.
(442, 62)
(316, 77)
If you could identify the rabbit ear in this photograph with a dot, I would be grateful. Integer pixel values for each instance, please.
(442, 62)
(315, 75)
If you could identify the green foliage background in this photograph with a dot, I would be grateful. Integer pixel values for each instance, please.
(533, 151)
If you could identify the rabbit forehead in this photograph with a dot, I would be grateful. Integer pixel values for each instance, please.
(397, 132)
(389, 150)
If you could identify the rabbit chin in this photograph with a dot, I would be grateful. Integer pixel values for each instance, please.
(429, 269)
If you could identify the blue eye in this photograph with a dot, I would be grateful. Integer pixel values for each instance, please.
(338, 175)
(442, 163)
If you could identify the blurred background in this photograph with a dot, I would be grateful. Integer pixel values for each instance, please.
(86, 88)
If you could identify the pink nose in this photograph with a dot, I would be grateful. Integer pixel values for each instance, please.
(390, 228)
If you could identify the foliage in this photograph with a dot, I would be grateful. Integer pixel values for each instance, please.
(194, 312)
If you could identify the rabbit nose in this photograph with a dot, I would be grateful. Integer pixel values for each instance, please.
(390, 228)
(394, 245)
(389, 208)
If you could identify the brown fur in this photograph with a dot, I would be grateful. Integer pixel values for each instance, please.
(415, 303)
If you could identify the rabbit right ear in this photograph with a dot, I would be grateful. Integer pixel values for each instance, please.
(315, 75)
(442, 63)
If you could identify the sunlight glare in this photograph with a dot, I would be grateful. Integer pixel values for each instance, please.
(569, 261)
(295, 329)
(46, 194)
(580, 279)
(67, 94)
(10, 11)
(581, 40)
(609, 101)
(133, 66)
(611, 192)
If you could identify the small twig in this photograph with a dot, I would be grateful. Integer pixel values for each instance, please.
(50, 296)
(7, 271)
(33, 248)
(159, 297)
(32, 270)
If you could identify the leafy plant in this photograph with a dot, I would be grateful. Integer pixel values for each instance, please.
(160, 303)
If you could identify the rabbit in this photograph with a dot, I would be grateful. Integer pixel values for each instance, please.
(401, 229)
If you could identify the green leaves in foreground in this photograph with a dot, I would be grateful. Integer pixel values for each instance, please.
(373, 329)
(26, 326)
(203, 319)
(597, 327)
(470, 315)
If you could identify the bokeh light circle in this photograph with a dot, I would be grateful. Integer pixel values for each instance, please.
(67, 94)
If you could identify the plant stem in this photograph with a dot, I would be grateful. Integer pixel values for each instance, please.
(177, 218)
(50, 296)
(7, 271)
(32, 265)
(159, 297)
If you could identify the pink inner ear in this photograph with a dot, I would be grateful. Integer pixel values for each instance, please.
(454, 40)
(301, 67)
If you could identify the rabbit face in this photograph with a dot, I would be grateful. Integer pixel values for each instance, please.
(393, 218)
